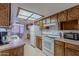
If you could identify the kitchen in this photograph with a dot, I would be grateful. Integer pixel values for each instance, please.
(53, 30)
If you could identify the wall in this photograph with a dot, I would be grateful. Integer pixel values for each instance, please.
(13, 12)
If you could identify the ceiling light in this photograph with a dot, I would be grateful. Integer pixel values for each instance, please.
(35, 16)
(28, 15)
(25, 13)
(22, 17)
(31, 19)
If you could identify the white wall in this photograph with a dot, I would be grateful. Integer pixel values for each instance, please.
(13, 12)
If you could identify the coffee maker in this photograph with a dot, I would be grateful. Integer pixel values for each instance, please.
(3, 36)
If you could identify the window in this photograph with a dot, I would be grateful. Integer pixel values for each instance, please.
(28, 15)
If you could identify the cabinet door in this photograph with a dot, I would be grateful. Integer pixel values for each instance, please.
(41, 24)
(4, 53)
(19, 51)
(69, 25)
(39, 42)
(71, 52)
(37, 23)
(53, 18)
(62, 16)
(59, 50)
(4, 14)
(47, 20)
(71, 49)
(73, 13)
(44, 21)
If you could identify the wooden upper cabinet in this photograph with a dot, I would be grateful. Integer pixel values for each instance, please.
(5, 14)
(73, 13)
(41, 24)
(47, 20)
(44, 21)
(54, 17)
(37, 23)
(62, 16)
(69, 25)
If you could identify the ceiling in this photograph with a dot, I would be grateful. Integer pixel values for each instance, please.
(45, 9)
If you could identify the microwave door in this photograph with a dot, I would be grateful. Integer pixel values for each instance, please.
(70, 36)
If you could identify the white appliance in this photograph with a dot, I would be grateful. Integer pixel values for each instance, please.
(34, 30)
(48, 42)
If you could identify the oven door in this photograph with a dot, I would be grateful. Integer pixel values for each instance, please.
(48, 45)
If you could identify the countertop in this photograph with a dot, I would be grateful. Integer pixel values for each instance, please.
(76, 42)
(14, 43)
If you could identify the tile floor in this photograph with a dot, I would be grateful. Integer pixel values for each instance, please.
(31, 51)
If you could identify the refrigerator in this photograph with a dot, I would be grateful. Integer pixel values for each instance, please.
(34, 31)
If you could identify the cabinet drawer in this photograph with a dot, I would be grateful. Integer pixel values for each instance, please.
(75, 47)
(59, 43)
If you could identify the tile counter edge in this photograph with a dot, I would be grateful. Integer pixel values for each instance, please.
(76, 42)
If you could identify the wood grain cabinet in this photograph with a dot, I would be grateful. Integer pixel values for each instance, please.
(71, 50)
(44, 21)
(59, 48)
(19, 51)
(38, 23)
(41, 24)
(39, 42)
(62, 16)
(65, 49)
(54, 17)
(69, 25)
(67, 19)
(73, 13)
(47, 20)
(5, 14)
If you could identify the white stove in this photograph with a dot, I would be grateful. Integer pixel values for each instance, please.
(48, 42)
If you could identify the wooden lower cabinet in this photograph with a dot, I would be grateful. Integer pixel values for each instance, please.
(71, 52)
(66, 49)
(59, 48)
(39, 42)
(19, 51)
